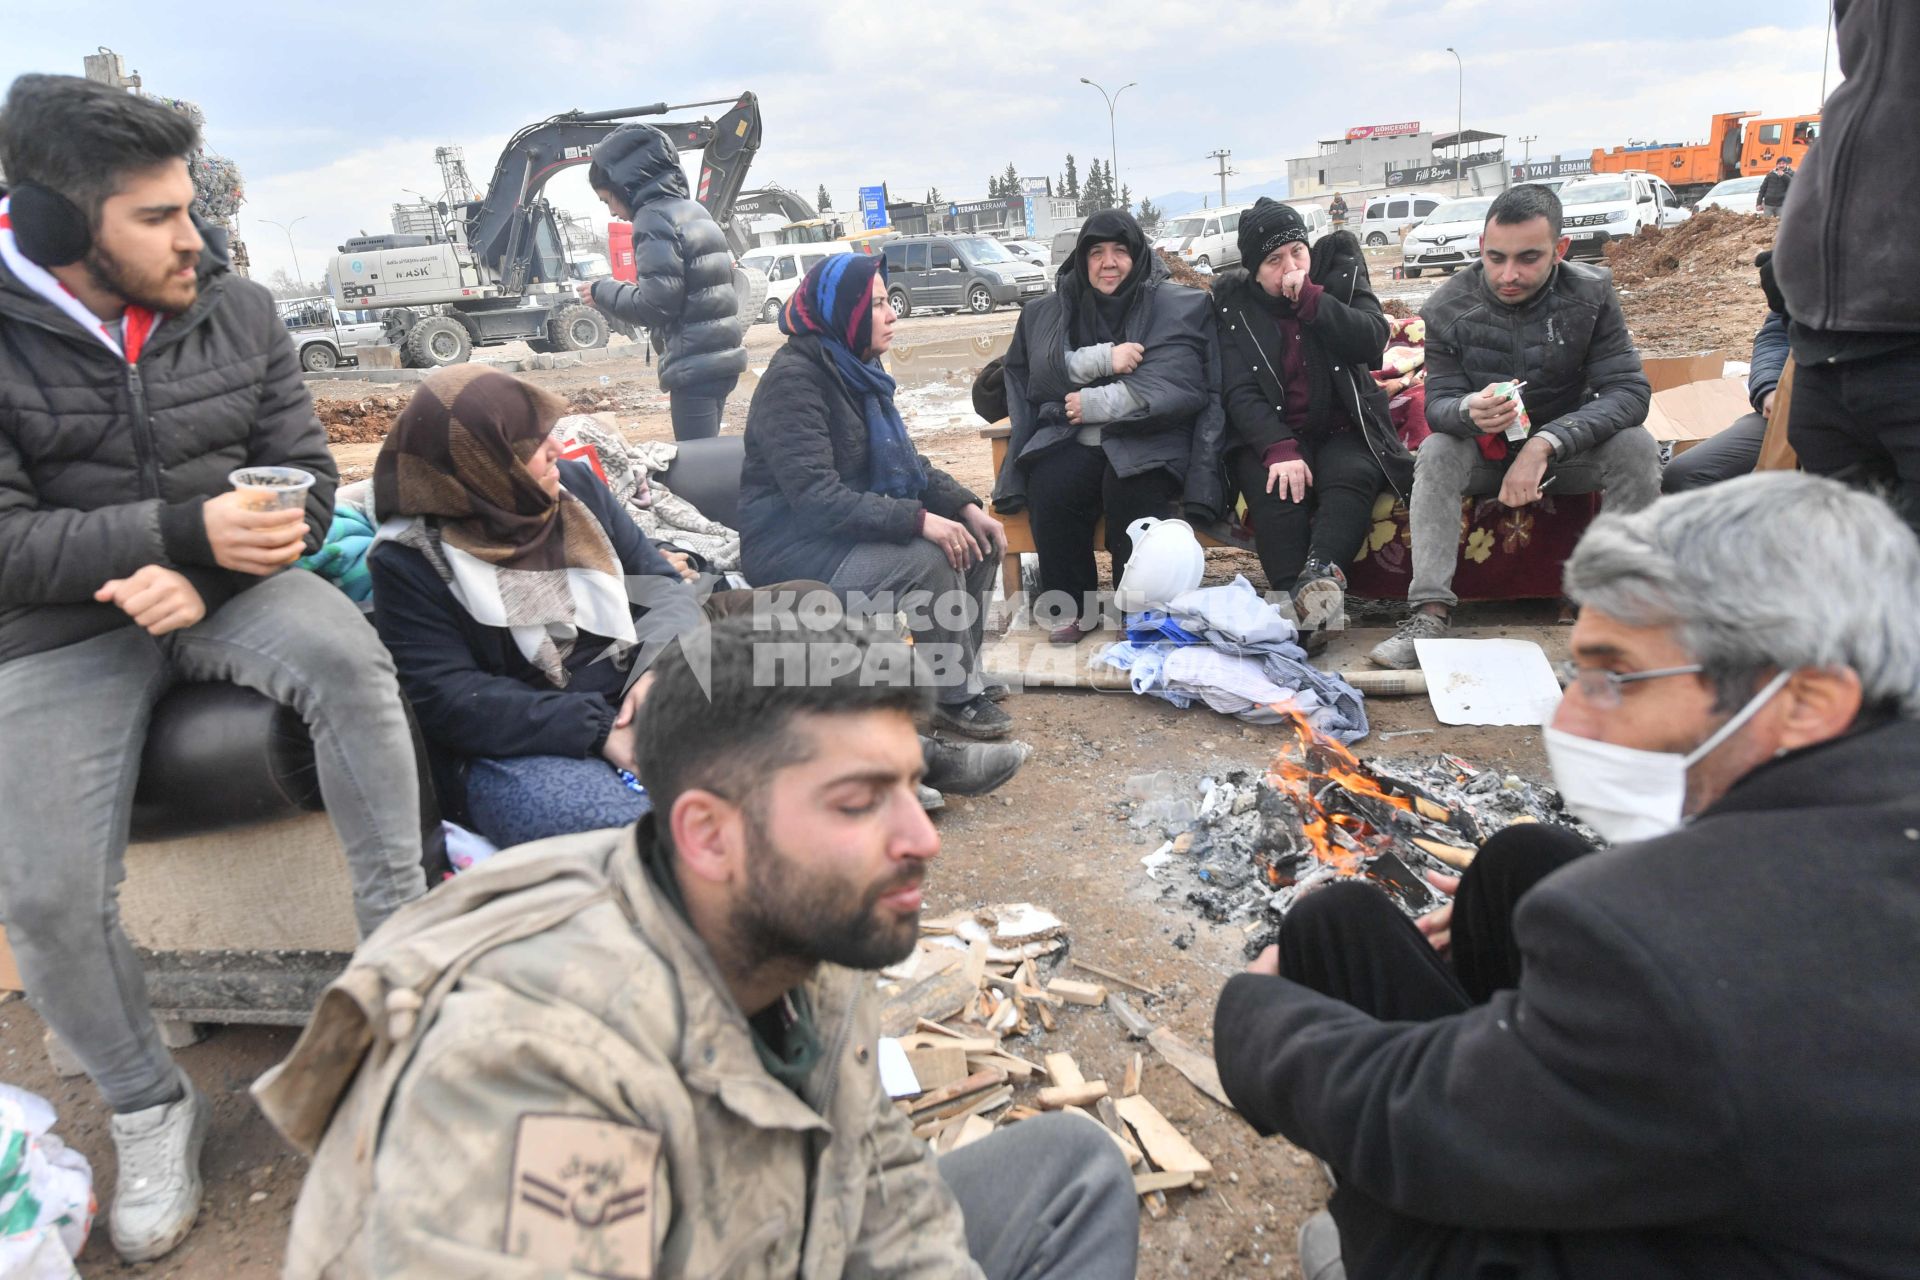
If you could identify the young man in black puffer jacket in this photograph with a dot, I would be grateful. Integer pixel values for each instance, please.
(1310, 443)
(682, 292)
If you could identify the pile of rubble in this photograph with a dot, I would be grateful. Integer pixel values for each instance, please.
(979, 979)
(1256, 843)
(364, 421)
(1693, 288)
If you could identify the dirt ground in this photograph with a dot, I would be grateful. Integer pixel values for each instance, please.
(1051, 836)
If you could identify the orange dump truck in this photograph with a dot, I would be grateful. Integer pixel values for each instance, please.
(1738, 146)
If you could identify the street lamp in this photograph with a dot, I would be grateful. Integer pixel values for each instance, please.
(288, 228)
(1459, 117)
(1526, 140)
(1113, 146)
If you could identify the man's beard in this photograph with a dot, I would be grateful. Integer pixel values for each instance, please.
(791, 912)
(158, 292)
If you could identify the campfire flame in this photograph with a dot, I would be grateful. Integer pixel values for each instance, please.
(1311, 771)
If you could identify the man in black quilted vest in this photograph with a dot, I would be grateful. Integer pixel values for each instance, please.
(136, 373)
(1533, 385)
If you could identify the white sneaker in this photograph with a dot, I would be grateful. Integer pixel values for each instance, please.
(158, 1193)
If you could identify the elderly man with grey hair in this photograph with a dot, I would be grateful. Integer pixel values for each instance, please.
(1700, 1059)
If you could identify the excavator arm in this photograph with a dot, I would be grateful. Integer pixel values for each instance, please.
(501, 227)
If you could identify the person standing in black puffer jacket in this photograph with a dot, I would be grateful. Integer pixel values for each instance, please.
(682, 292)
(1310, 443)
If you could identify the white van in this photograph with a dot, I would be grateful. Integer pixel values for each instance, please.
(1386, 217)
(784, 265)
(1318, 223)
(1209, 239)
(1612, 206)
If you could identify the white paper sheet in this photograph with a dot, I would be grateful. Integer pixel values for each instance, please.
(896, 1073)
(1488, 681)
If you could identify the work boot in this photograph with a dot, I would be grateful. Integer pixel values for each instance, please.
(972, 768)
(1397, 651)
(1320, 1249)
(1320, 595)
(995, 690)
(977, 717)
(158, 1194)
(931, 800)
(1070, 633)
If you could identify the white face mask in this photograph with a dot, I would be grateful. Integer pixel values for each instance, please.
(1628, 794)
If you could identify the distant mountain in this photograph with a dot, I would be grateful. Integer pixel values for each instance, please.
(1174, 203)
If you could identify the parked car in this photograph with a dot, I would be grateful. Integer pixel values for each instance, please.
(934, 273)
(1385, 217)
(1611, 207)
(1741, 195)
(784, 265)
(1032, 251)
(1449, 237)
(325, 338)
(1208, 240)
(1062, 247)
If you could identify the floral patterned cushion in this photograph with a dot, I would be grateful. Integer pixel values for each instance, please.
(1505, 554)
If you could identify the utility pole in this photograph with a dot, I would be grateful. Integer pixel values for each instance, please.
(1225, 172)
(1459, 117)
(1526, 155)
(1826, 56)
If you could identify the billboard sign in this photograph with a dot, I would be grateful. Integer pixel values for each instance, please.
(873, 207)
(1360, 133)
(1539, 169)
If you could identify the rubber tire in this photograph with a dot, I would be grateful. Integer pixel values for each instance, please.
(1449, 270)
(318, 357)
(770, 313)
(1375, 239)
(541, 346)
(425, 351)
(1412, 273)
(561, 328)
(399, 323)
(902, 303)
(974, 297)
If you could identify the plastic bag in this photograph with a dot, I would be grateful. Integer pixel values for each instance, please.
(46, 1192)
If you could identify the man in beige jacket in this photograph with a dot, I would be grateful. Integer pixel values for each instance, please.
(651, 1051)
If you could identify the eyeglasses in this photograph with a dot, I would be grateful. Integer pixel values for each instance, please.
(1602, 687)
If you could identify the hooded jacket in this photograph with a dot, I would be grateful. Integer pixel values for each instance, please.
(105, 465)
(1179, 426)
(683, 292)
(1569, 342)
(1344, 339)
(1846, 256)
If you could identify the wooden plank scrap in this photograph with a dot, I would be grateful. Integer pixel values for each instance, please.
(1054, 1097)
(1120, 1140)
(975, 1104)
(1144, 1183)
(1138, 1026)
(938, 1068)
(1130, 1080)
(933, 998)
(1016, 1114)
(1164, 1144)
(974, 1083)
(942, 1038)
(1431, 811)
(1453, 855)
(1047, 1020)
(1156, 1204)
(1063, 1070)
(971, 1131)
(976, 969)
(1082, 993)
(1111, 976)
(1191, 1063)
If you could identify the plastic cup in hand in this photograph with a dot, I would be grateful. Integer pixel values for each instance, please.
(272, 488)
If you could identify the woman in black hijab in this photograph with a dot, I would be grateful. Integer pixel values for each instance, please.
(1106, 380)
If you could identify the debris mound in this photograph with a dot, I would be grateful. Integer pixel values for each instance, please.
(1397, 309)
(1714, 242)
(1184, 274)
(359, 421)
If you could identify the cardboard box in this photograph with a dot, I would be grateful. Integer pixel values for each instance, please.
(1677, 371)
(9, 971)
(1686, 415)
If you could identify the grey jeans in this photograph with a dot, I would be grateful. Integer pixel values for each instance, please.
(72, 724)
(1626, 467)
(946, 609)
(1068, 1213)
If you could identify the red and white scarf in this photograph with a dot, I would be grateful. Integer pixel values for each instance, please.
(139, 322)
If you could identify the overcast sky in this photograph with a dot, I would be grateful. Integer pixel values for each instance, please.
(332, 109)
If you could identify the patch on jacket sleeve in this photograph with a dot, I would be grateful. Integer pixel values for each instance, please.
(583, 1196)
